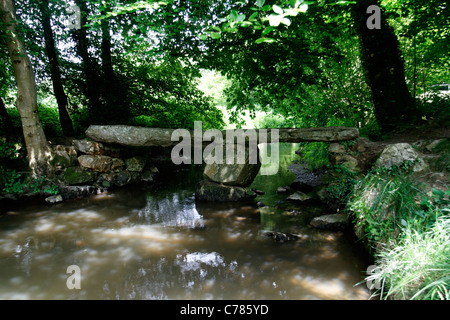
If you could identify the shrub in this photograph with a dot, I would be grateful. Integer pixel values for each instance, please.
(341, 187)
(314, 154)
(48, 115)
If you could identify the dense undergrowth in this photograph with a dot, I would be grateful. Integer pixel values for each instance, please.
(407, 228)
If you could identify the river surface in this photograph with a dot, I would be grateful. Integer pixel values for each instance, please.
(157, 242)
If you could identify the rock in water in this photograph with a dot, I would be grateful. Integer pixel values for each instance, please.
(280, 236)
(210, 191)
(54, 199)
(331, 222)
(240, 173)
(299, 197)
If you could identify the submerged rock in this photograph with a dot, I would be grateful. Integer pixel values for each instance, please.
(211, 191)
(299, 197)
(331, 222)
(279, 236)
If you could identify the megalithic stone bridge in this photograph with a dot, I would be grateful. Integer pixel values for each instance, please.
(223, 182)
(147, 137)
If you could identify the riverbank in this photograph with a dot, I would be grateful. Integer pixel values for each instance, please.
(396, 192)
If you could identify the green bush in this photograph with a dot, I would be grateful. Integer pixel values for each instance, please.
(315, 154)
(435, 106)
(144, 121)
(340, 189)
(48, 115)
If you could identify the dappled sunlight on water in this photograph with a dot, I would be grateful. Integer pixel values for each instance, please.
(147, 243)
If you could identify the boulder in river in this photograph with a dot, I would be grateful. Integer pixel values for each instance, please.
(235, 174)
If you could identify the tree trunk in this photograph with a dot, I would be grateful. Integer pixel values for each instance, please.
(61, 97)
(106, 51)
(38, 149)
(114, 91)
(90, 69)
(381, 58)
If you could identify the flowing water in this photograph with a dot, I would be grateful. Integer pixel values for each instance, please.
(157, 242)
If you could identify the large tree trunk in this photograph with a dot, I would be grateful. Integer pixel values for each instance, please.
(114, 91)
(61, 97)
(90, 69)
(38, 149)
(381, 58)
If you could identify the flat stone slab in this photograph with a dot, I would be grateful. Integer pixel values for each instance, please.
(147, 137)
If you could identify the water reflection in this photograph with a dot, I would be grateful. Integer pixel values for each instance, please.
(174, 210)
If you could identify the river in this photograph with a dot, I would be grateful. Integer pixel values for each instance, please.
(157, 242)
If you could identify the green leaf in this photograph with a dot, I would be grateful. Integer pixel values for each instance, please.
(267, 30)
(233, 15)
(268, 40)
(215, 35)
(253, 16)
(260, 3)
(277, 9)
(203, 37)
(246, 23)
(241, 17)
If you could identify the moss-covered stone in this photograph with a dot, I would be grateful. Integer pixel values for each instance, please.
(75, 176)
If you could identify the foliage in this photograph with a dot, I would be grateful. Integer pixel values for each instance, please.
(340, 189)
(384, 201)
(418, 266)
(314, 154)
(436, 107)
(17, 183)
(48, 115)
